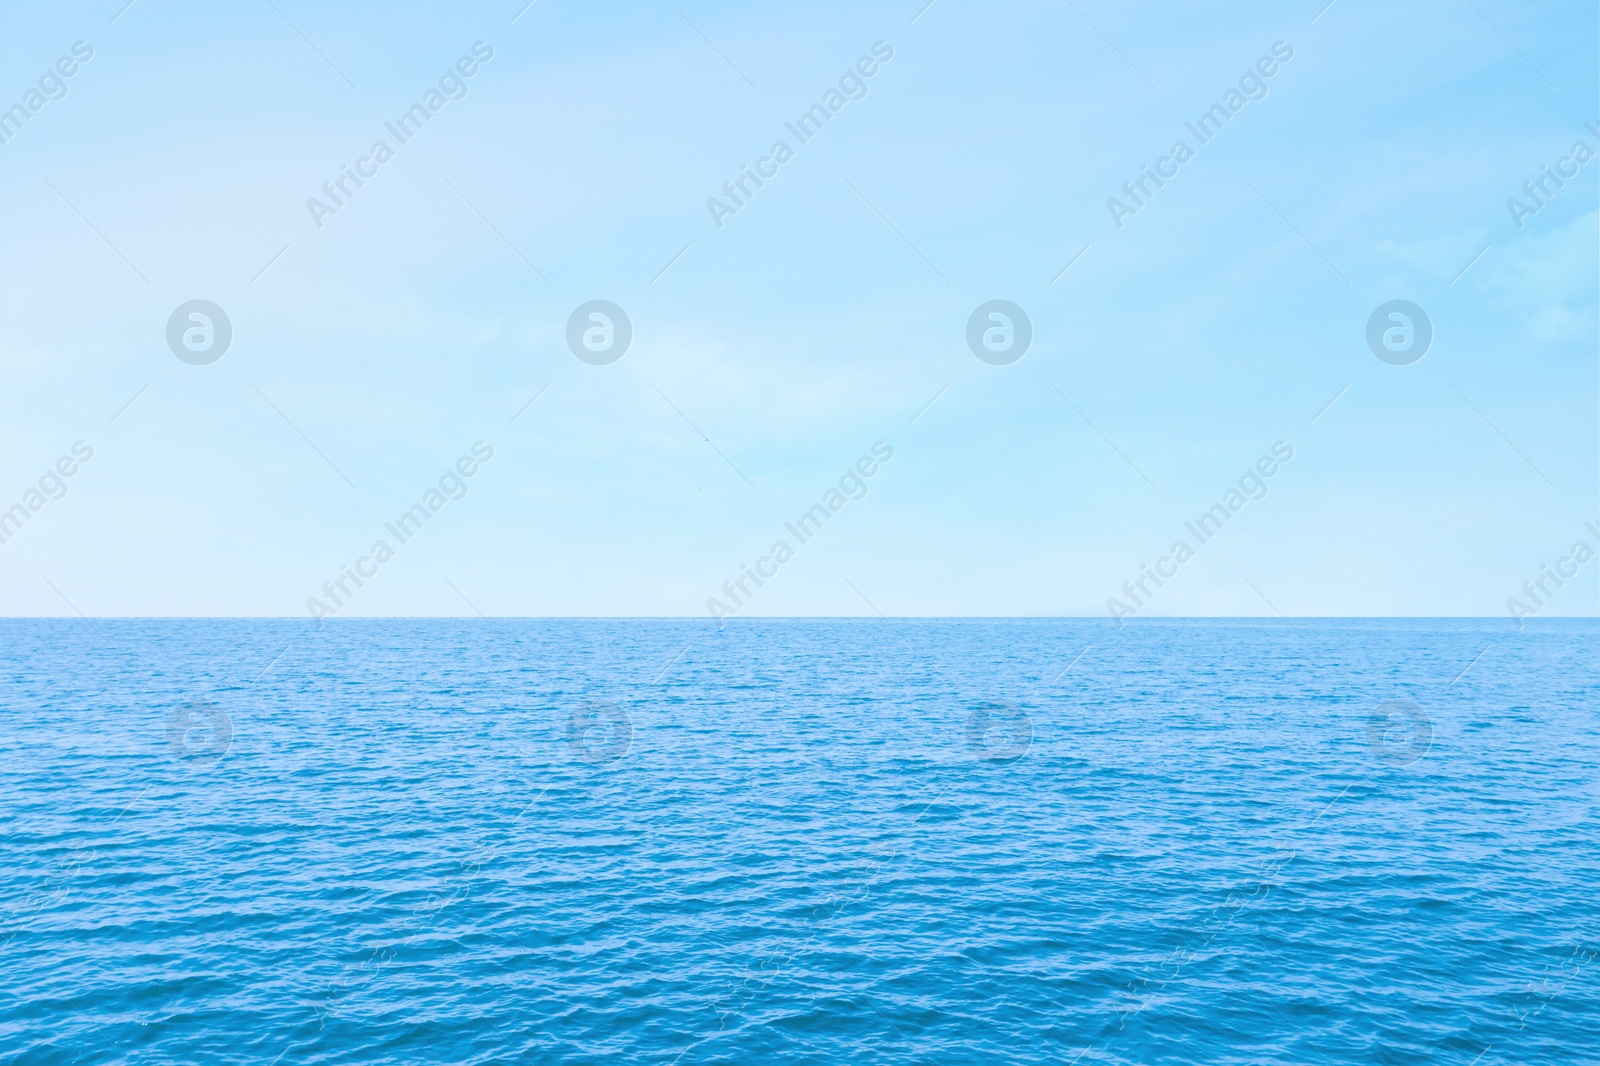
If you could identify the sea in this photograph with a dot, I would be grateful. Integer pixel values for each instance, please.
(930, 841)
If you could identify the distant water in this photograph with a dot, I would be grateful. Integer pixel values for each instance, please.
(1029, 841)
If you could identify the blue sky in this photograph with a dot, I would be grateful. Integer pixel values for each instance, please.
(821, 318)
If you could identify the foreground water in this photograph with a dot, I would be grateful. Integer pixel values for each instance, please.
(799, 841)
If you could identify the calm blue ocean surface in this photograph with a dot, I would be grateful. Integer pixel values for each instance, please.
(1030, 841)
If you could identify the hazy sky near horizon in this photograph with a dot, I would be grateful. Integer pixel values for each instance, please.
(377, 338)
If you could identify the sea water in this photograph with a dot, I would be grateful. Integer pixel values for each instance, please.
(786, 841)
